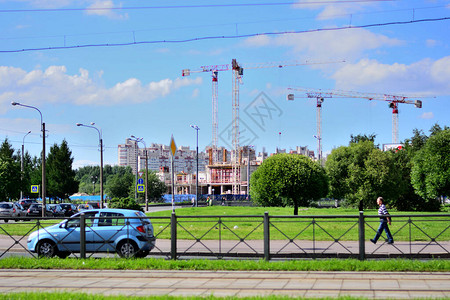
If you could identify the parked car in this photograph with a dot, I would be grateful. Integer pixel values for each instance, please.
(69, 209)
(84, 207)
(9, 210)
(35, 210)
(57, 210)
(127, 232)
(27, 202)
(21, 209)
(95, 205)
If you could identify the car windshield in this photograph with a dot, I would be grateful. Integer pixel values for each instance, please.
(5, 205)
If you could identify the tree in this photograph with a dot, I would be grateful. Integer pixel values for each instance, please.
(360, 173)
(120, 184)
(430, 174)
(60, 176)
(156, 188)
(9, 173)
(288, 179)
(362, 138)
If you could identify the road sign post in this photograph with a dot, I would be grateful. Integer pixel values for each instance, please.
(173, 149)
(35, 189)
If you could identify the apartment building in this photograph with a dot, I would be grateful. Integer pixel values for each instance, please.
(159, 157)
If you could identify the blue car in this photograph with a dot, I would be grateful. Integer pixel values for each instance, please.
(129, 233)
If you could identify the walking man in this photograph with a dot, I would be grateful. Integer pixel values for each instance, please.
(384, 221)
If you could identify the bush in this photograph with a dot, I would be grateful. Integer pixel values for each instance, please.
(125, 203)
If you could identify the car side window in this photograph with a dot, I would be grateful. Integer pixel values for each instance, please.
(111, 221)
(75, 222)
(89, 216)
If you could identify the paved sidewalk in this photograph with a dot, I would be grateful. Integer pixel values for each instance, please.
(372, 285)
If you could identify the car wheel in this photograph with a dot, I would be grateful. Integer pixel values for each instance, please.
(6, 220)
(46, 248)
(127, 249)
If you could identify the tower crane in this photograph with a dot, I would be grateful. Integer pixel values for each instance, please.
(320, 95)
(237, 78)
(238, 72)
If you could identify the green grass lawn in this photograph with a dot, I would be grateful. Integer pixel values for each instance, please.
(226, 222)
(193, 222)
(393, 265)
(82, 296)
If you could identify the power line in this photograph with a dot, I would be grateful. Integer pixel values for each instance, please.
(216, 25)
(187, 6)
(224, 36)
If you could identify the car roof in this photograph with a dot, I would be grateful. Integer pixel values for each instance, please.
(116, 210)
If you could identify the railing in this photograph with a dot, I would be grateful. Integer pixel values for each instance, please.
(272, 237)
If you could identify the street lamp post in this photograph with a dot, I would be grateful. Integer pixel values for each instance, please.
(319, 141)
(248, 168)
(101, 158)
(196, 175)
(141, 140)
(21, 161)
(43, 154)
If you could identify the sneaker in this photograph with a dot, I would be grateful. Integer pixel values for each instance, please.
(373, 241)
(390, 242)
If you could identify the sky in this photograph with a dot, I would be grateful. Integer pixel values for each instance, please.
(119, 65)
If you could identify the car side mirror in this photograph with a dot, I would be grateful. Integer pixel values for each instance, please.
(63, 224)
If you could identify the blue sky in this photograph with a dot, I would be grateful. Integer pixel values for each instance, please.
(54, 56)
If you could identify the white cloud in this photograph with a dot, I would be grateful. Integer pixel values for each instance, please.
(328, 45)
(195, 93)
(426, 77)
(54, 85)
(427, 115)
(333, 10)
(105, 8)
(431, 43)
(257, 41)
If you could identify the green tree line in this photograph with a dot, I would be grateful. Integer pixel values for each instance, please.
(62, 180)
(416, 177)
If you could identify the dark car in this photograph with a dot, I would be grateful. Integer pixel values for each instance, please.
(26, 202)
(69, 209)
(35, 210)
(57, 210)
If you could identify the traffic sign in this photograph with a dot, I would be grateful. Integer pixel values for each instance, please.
(141, 188)
(173, 146)
(140, 181)
(35, 189)
(140, 174)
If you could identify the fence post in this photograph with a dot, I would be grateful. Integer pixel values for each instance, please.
(266, 236)
(173, 236)
(82, 236)
(362, 245)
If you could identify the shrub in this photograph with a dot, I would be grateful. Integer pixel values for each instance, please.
(125, 203)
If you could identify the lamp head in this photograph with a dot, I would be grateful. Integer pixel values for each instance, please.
(79, 124)
(15, 103)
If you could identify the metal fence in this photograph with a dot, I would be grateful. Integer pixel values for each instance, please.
(267, 237)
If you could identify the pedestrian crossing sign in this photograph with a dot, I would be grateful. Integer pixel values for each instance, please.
(141, 188)
(35, 189)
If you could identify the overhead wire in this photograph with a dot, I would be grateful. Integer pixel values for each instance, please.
(65, 36)
(188, 6)
(226, 36)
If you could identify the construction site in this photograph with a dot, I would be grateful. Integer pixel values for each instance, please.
(221, 171)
